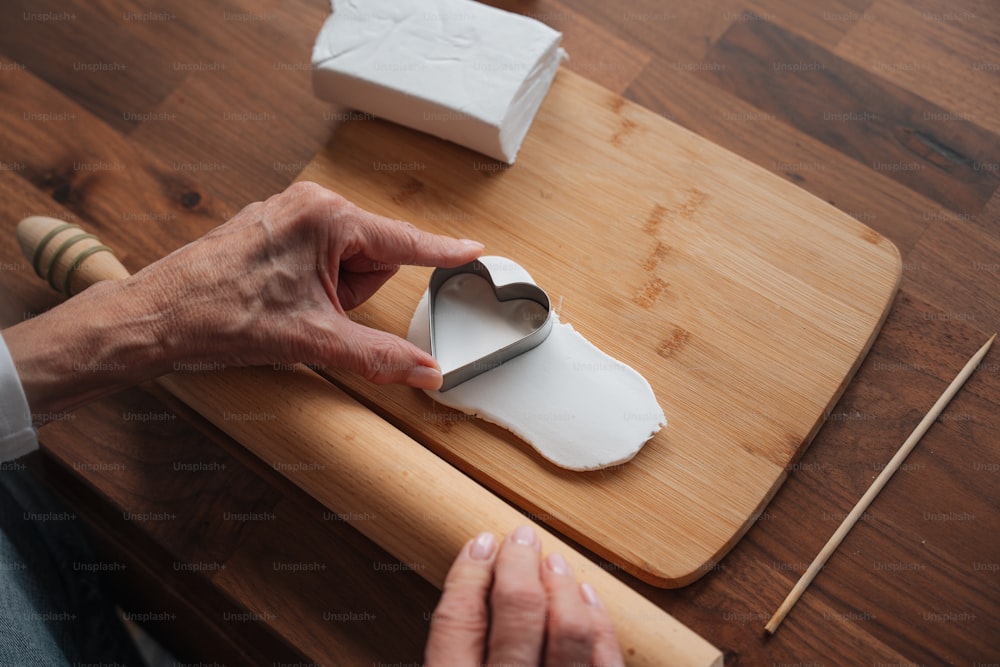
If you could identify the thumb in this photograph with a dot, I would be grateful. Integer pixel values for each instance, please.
(382, 357)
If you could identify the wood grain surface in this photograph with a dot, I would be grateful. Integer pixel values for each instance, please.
(154, 123)
(746, 302)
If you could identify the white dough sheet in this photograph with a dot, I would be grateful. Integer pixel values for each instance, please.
(578, 407)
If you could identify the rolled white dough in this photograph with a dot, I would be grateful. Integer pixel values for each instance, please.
(580, 408)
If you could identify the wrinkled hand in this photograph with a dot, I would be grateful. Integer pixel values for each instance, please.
(507, 607)
(274, 283)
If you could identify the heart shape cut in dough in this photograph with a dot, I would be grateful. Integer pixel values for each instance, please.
(480, 318)
(578, 407)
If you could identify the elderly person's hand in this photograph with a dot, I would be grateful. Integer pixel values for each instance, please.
(505, 606)
(272, 285)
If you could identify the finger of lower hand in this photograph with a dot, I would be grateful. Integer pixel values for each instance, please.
(570, 629)
(460, 621)
(518, 602)
(607, 651)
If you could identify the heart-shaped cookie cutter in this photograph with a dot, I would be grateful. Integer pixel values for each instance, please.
(504, 292)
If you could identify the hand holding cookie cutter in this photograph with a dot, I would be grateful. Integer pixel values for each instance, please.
(506, 292)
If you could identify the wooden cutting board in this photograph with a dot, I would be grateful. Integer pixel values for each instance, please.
(746, 302)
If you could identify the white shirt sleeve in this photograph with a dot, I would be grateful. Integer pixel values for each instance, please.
(17, 434)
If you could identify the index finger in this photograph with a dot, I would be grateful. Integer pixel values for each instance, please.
(394, 242)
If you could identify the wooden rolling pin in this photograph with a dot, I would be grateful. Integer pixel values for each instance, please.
(399, 494)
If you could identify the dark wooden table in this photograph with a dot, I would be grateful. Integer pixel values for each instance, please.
(154, 122)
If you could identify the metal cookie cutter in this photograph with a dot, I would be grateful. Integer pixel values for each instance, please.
(504, 292)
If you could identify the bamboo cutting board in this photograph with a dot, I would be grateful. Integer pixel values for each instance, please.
(746, 302)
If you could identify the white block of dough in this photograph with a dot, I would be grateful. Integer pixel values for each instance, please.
(457, 69)
(580, 408)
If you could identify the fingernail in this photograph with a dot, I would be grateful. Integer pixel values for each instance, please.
(473, 244)
(524, 535)
(557, 563)
(590, 595)
(483, 546)
(424, 377)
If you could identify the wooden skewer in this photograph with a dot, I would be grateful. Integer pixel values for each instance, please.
(873, 490)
